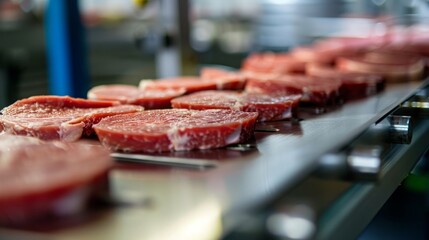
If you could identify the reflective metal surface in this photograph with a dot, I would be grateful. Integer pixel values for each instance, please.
(173, 161)
(353, 209)
(401, 129)
(293, 222)
(365, 162)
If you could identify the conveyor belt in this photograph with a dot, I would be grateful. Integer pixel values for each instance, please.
(172, 202)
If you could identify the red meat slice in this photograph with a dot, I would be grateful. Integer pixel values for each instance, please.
(56, 117)
(421, 49)
(272, 63)
(40, 179)
(419, 44)
(355, 85)
(190, 84)
(395, 66)
(127, 94)
(413, 39)
(225, 80)
(269, 107)
(312, 55)
(193, 84)
(328, 50)
(175, 129)
(315, 91)
(345, 46)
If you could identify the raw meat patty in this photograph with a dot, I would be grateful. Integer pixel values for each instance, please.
(194, 84)
(39, 178)
(394, 66)
(312, 54)
(315, 91)
(127, 94)
(269, 107)
(355, 85)
(189, 84)
(175, 129)
(326, 51)
(412, 39)
(225, 80)
(55, 117)
(269, 62)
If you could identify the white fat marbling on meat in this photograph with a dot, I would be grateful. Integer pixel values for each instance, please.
(237, 104)
(234, 137)
(144, 83)
(71, 132)
(287, 113)
(178, 141)
(91, 95)
(11, 128)
(72, 203)
(36, 125)
(219, 84)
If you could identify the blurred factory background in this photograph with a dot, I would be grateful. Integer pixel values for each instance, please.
(130, 40)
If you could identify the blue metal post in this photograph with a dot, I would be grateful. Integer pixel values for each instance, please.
(68, 69)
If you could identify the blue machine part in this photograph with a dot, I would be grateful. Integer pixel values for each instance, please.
(66, 51)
